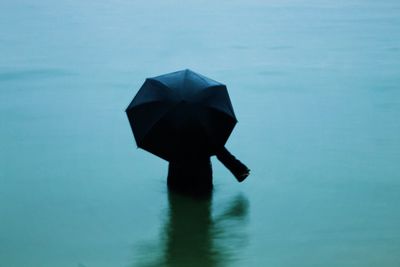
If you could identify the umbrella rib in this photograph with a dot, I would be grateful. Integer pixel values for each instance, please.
(183, 83)
(220, 87)
(222, 112)
(150, 102)
(205, 127)
(160, 83)
(204, 79)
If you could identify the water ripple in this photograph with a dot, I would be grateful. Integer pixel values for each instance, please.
(22, 75)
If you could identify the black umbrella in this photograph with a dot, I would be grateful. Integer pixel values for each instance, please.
(181, 115)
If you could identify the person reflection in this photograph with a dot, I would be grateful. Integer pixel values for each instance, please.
(189, 232)
(192, 237)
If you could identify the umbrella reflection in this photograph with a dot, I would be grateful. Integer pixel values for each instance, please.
(192, 236)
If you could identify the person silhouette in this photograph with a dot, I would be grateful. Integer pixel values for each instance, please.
(194, 174)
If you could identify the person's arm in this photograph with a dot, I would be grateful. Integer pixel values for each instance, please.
(235, 166)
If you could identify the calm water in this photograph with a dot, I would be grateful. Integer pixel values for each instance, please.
(315, 86)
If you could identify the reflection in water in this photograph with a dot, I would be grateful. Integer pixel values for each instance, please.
(192, 237)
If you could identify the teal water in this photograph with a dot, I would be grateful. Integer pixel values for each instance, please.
(315, 87)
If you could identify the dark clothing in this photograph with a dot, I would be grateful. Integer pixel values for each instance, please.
(190, 176)
(236, 167)
(194, 176)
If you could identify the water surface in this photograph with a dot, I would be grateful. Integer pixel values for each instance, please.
(315, 87)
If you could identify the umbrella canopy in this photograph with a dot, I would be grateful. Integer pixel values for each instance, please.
(181, 115)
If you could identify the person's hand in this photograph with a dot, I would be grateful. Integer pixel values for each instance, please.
(243, 175)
